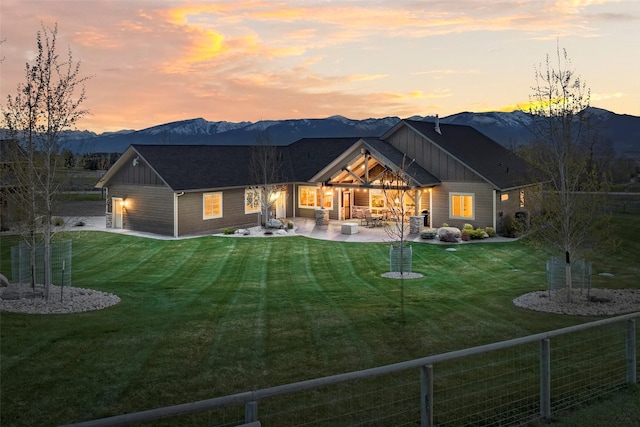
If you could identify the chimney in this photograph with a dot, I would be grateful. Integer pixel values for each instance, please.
(438, 125)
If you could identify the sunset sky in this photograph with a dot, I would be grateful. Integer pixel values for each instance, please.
(155, 61)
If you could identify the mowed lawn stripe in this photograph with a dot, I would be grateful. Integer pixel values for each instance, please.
(170, 338)
(330, 316)
(237, 353)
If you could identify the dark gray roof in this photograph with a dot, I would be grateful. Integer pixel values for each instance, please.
(201, 167)
(190, 167)
(308, 156)
(492, 161)
(195, 167)
(421, 176)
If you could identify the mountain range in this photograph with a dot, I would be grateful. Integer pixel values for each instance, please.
(508, 129)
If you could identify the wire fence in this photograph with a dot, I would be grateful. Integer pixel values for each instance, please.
(506, 383)
(620, 203)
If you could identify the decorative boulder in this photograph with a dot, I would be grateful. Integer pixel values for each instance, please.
(4, 282)
(449, 234)
(275, 223)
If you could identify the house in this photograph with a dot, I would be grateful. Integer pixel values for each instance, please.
(456, 174)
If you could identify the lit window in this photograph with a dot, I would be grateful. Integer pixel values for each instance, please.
(211, 205)
(311, 197)
(522, 198)
(504, 197)
(461, 205)
(251, 201)
(377, 199)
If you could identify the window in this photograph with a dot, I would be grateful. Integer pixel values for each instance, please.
(251, 201)
(312, 197)
(522, 198)
(504, 197)
(461, 205)
(377, 199)
(211, 205)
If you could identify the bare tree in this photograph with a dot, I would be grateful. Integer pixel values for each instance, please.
(265, 167)
(572, 220)
(47, 103)
(397, 191)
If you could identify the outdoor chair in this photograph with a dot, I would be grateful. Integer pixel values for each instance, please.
(370, 220)
(358, 214)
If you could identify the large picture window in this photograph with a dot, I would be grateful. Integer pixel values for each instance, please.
(314, 198)
(461, 205)
(211, 205)
(252, 201)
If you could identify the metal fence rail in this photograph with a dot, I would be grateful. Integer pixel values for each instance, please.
(504, 383)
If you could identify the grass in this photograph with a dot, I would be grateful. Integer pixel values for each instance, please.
(211, 316)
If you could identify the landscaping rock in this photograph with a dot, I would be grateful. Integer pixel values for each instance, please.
(4, 282)
(275, 223)
(449, 234)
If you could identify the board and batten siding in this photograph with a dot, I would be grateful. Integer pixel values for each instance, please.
(190, 221)
(148, 208)
(140, 174)
(431, 157)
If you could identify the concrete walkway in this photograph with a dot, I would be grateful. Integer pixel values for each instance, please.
(302, 227)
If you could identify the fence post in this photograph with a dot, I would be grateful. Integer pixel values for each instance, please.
(426, 396)
(545, 378)
(631, 351)
(251, 411)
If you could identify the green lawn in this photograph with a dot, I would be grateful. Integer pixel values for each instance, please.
(210, 316)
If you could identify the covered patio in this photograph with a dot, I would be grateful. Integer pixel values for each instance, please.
(374, 181)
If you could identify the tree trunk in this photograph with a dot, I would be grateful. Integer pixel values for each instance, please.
(567, 275)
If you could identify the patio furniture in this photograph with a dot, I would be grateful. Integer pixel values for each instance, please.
(371, 220)
(359, 214)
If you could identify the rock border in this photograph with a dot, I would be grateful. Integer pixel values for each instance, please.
(396, 275)
(21, 298)
(597, 302)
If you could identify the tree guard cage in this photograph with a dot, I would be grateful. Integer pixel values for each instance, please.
(60, 263)
(580, 275)
(400, 258)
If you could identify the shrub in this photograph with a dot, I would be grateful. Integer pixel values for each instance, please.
(511, 227)
(491, 232)
(478, 233)
(466, 234)
(444, 224)
(57, 221)
(467, 227)
(290, 225)
(228, 231)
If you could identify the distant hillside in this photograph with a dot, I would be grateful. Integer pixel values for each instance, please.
(508, 129)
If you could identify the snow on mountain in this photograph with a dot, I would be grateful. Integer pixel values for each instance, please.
(197, 126)
(508, 129)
